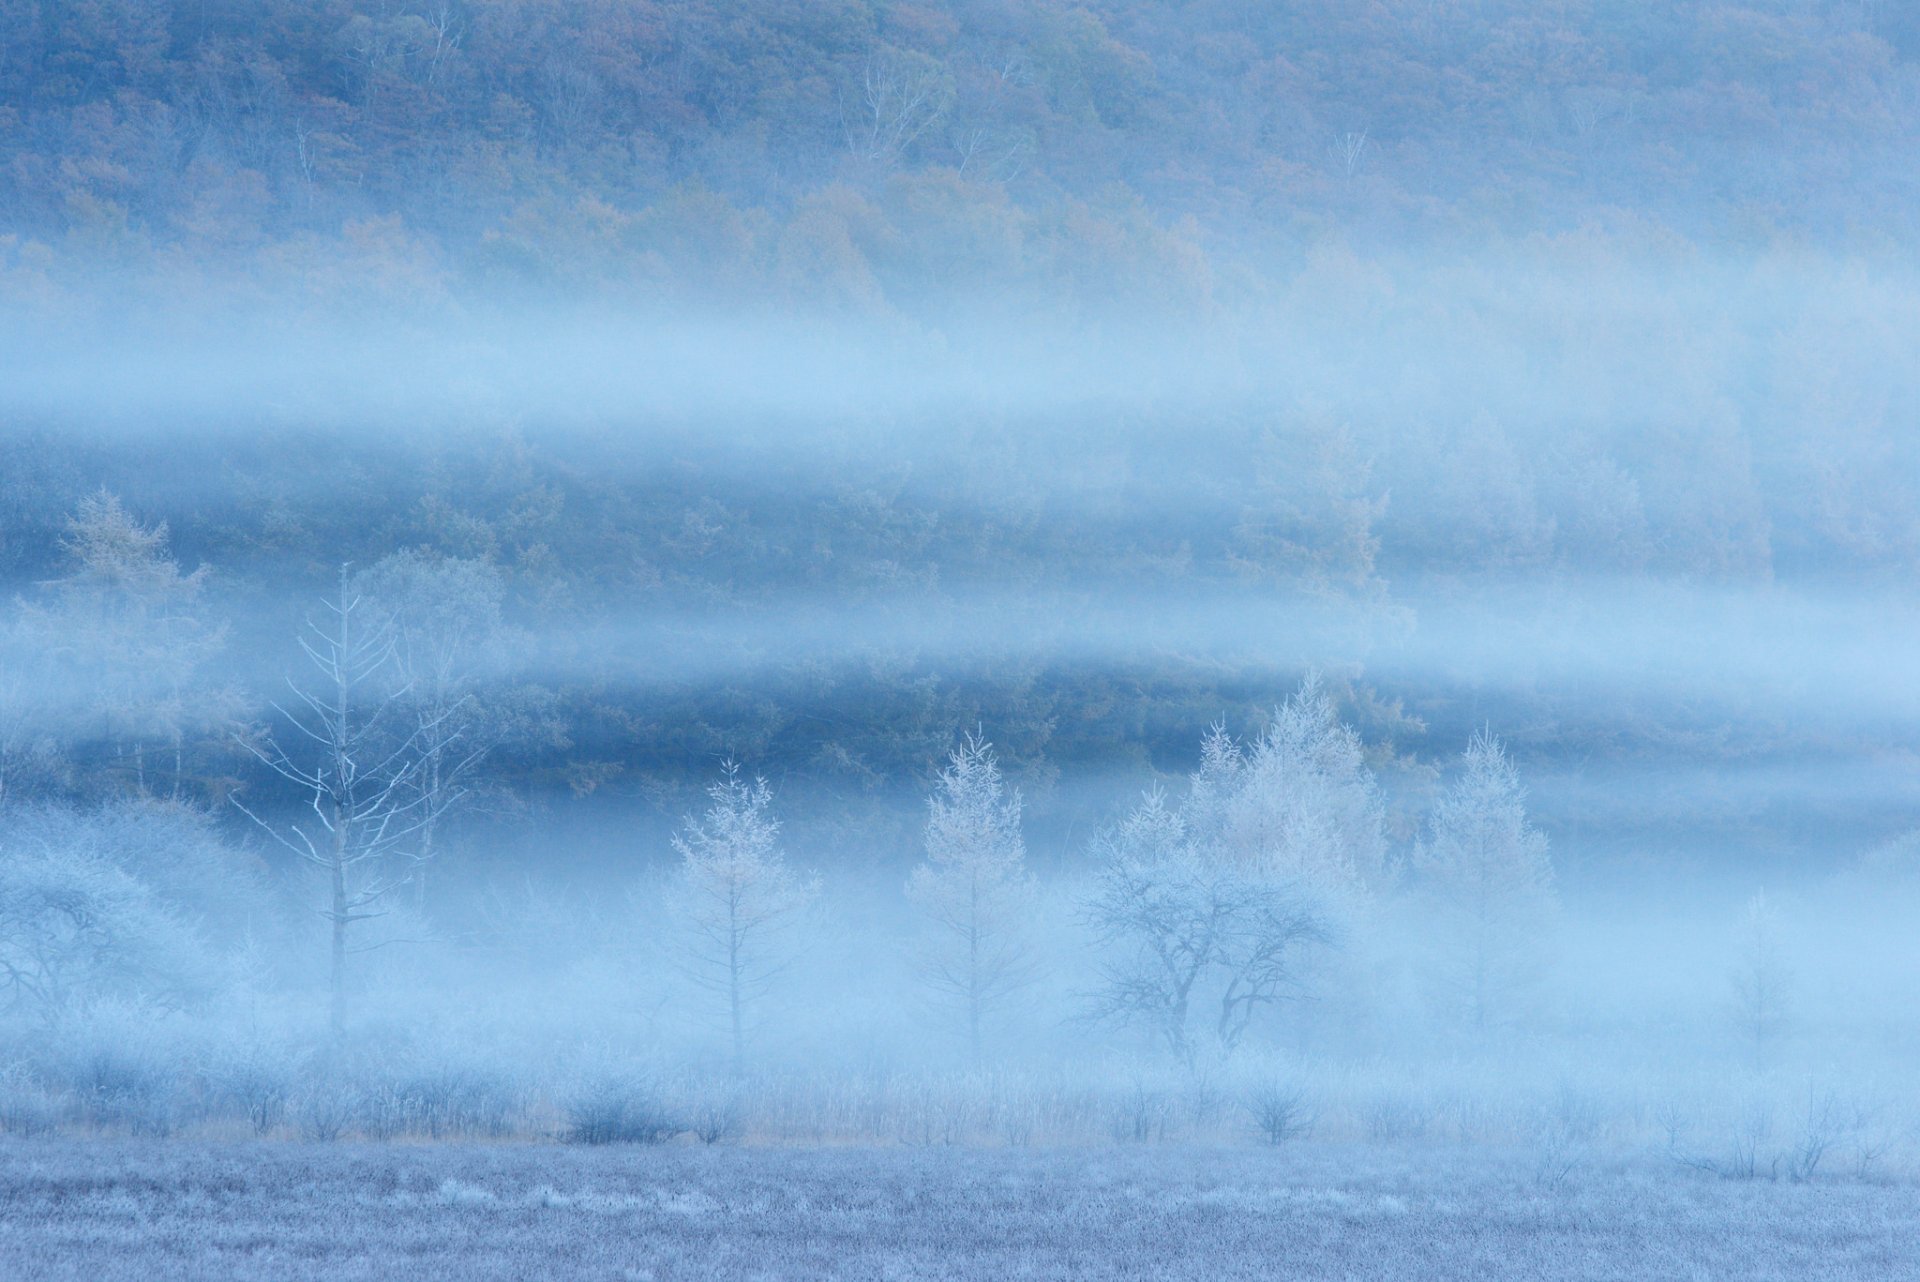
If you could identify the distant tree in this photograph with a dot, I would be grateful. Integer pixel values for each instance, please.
(1485, 873)
(1187, 932)
(901, 95)
(125, 641)
(735, 899)
(442, 615)
(29, 747)
(1760, 981)
(1298, 803)
(360, 758)
(974, 890)
(1311, 518)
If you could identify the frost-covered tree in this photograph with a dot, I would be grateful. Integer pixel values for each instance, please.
(1298, 803)
(359, 755)
(117, 904)
(1760, 982)
(1486, 876)
(29, 747)
(974, 890)
(735, 899)
(1187, 933)
(442, 615)
(127, 646)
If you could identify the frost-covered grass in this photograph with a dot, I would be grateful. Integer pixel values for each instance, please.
(148, 1209)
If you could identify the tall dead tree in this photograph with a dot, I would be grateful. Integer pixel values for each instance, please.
(359, 759)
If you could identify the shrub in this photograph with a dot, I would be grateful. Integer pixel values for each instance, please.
(1280, 1111)
(1398, 1117)
(26, 1106)
(716, 1116)
(120, 1074)
(618, 1112)
(255, 1083)
(324, 1108)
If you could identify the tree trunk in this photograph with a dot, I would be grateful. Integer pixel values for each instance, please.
(974, 995)
(733, 990)
(339, 916)
(337, 1018)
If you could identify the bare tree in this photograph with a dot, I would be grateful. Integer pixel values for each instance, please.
(974, 890)
(447, 29)
(1187, 930)
(74, 927)
(1760, 982)
(129, 902)
(998, 155)
(360, 760)
(735, 897)
(571, 99)
(1351, 148)
(443, 618)
(901, 96)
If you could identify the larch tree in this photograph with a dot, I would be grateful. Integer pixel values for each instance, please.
(974, 891)
(1486, 874)
(735, 899)
(125, 638)
(359, 757)
(1298, 803)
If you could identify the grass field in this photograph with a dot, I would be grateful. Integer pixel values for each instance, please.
(107, 1210)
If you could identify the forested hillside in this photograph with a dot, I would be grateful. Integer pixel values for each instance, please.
(855, 154)
(816, 380)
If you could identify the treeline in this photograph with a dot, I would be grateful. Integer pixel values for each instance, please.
(1097, 595)
(124, 738)
(133, 760)
(226, 903)
(886, 157)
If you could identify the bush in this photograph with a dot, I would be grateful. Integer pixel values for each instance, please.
(618, 1112)
(27, 1107)
(1397, 1117)
(119, 1072)
(324, 1108)
(716, 1116)
(256, 1083)
(1141, 1113)
(1279, 1110)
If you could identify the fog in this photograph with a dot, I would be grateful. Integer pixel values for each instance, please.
(1708, 751)
(1201, 638)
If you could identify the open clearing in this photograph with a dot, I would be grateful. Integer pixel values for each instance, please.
(113, 1209)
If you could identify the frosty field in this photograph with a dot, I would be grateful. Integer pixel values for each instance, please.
(109, 1210)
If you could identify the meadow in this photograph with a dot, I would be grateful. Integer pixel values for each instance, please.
(105, 1210)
